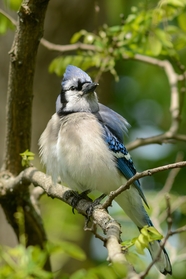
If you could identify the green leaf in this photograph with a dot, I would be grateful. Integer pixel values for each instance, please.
(5, 24)
(132, 257)
(144, 240)
(182, 21)
(59, 64)
(139, 247)
(154, 45)
(153, 234)
(174, 3)
(13, 4)
(75, 38)
(128, 243)
(66, 247)
(27, 156)
(164, 38)
(130, 18)
(115, 29)
(147, 234)
(119, 269)
(80, 274)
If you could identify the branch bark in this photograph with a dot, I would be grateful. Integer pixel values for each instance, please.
(20, 84)
(29, 31)
(100, 216)
(173, 79)
(138, 175)
(14, 190)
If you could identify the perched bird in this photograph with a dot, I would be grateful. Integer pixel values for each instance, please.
(83, 145)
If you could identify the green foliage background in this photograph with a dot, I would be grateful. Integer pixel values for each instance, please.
(138, 91)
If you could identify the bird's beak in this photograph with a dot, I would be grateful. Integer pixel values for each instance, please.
(89, 87)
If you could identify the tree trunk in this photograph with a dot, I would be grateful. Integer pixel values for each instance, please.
(29, 31)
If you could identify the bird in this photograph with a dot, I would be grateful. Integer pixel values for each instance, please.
(83, 145)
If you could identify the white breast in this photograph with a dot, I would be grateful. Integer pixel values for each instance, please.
(84, 161)
(47, 146)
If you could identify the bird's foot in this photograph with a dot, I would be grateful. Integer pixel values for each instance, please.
(77, 197)
(96, 202)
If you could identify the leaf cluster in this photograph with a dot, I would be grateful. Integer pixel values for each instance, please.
(147, 235)
(27, 156)
(159, 31)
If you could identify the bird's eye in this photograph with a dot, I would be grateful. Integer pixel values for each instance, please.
(72, 88)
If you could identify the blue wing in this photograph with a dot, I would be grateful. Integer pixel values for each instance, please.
(124, 160)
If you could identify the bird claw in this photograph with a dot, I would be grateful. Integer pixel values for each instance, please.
(77, 197)
(96, 202)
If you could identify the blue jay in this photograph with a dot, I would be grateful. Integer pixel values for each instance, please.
(83, 145)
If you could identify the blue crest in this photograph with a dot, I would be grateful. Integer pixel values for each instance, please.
(75, 73)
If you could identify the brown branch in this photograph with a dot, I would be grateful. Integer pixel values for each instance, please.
(171, 177)
(173, 82)
(175, 205)
(173, 79)
(100, 216)
(168, 235)
(10, 199)
(175, 109)
(29, 30)
(122, 188)
(159, 139)
(169, 223)
(66, 48)
(166, 189)
(178, 231)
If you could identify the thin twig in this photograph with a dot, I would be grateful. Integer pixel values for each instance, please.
(66, 48)
(166, 189)
(175, 205)
(173, 82)
(122, 188)
(13, 21)
(93, 229)
(173, 79)
(171, 177)
(109, 226)
(168, 235)
(169, 223)
(158, 139)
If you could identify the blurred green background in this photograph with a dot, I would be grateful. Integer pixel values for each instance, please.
(141, 95)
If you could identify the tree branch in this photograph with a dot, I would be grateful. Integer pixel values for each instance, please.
(29, 30)
(173, 79)
(108, 225)
(159, 139)
(175, 109)
(137, 176)
(100, 216)
(169, 223)
(19, 101)
(66, 48)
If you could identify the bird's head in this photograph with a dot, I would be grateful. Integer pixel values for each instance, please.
(77, 93)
